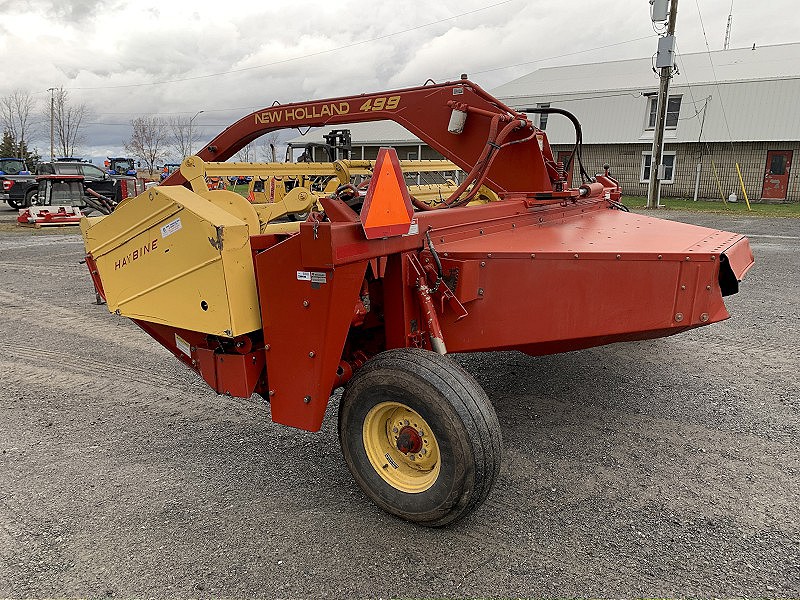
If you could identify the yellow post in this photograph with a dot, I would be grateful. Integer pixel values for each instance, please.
(719, 185)
(741, 182)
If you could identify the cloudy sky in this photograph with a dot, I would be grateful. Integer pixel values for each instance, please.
(133, 58)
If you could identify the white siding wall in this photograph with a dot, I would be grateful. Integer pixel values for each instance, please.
(756, 111)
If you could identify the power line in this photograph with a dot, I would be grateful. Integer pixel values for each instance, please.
(714, 74)
(287, 60)
(500, 68)
(538, 60)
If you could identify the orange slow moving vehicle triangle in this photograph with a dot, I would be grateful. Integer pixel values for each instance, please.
(387, 209)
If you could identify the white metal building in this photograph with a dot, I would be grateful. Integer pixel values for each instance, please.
(726, 107)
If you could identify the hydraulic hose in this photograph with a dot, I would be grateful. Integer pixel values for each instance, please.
(473, 174)
(578, 148)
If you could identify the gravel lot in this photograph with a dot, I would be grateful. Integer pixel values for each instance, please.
(659, 468)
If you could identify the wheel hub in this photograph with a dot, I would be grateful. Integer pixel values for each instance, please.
(409, 440)
(401, 447)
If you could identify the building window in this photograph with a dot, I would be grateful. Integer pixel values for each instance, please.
(411, 156)
(667, 159)
(673, 110)
(543, 116)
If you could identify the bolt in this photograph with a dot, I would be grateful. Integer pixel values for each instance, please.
(267, 347)
(576, 255)
(678, 317)
(618, 256)
(712, 257)
(683, 287)
(688, 258)
(708, 287)
(704, 317)
(533, 255)
(306, 303)
(480, 291)
(394, 430)
(659, 257)
(480, 231)
(483, 264)
(489, 255)
(411, 456)
(307, 399)
(194, 363)
(312, 354)
(271, 393)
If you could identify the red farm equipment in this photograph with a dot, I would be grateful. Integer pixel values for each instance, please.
(375, 289)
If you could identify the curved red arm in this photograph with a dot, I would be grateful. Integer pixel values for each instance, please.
(424, 111)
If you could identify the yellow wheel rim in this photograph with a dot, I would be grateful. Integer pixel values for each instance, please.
(401, 447)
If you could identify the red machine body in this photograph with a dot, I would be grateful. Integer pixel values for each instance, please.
(546, 269)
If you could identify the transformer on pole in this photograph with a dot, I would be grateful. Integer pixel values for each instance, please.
(665, 61)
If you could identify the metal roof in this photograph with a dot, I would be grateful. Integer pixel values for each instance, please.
(753, 99)
(736, 65)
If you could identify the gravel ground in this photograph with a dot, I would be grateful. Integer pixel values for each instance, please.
(660, 468)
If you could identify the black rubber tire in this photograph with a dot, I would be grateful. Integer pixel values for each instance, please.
(460, 416)
(30, 197)
(15, 205)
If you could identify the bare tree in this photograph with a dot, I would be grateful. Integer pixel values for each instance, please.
(68, 120)
(183, 137)
(149, 140)
(270, 146)
(15, 111)
(248, 153)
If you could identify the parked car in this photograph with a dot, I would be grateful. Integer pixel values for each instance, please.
(12, 172)
(20, 191)
(93, 177)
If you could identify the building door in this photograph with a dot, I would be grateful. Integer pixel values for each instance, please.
(776, 174)
(563, 157)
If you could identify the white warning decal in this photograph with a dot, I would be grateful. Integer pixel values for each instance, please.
(171, 227)
(312, 276)
(183, 345)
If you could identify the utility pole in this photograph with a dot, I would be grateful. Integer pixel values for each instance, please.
(665, 60)
(52, 106)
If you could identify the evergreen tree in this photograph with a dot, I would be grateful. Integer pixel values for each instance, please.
(8, 147)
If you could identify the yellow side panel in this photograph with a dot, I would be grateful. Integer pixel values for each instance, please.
(170, 256)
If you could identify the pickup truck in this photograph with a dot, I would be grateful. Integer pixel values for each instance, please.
(20, 190)
(12, 170)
